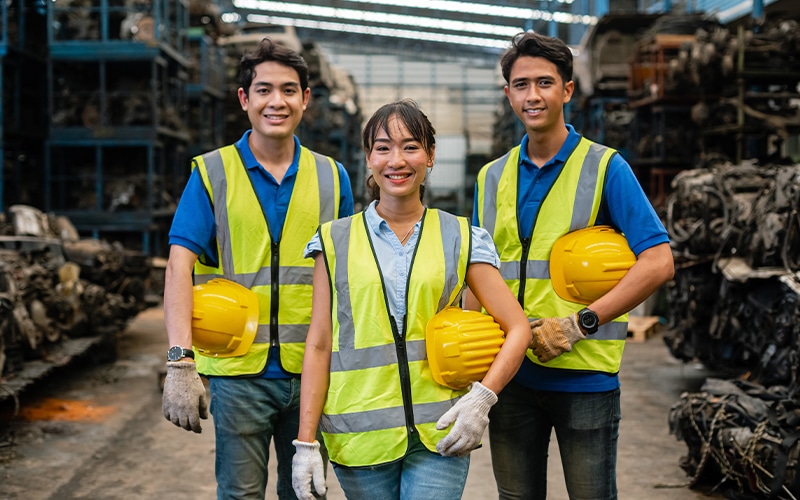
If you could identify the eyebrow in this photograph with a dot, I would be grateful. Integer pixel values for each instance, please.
(270, 84)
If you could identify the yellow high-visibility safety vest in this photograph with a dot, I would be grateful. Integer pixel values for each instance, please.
(369, 411)
(572, 204)
(276, 272)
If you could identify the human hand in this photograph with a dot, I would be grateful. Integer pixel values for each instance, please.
(471, 416)
(307, 468)
(552, 337)
(184, 400)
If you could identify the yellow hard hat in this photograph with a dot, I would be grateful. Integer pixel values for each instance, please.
(461, 346)
(224, 318)
(587, 263)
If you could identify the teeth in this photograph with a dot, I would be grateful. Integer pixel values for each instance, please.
(397, 177)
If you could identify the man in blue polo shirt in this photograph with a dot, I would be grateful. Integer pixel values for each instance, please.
(555, 183)
(246, 214)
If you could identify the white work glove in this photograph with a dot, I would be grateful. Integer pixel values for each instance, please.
(552, 337)
(471, 416)
(307, 467)
(184, 400)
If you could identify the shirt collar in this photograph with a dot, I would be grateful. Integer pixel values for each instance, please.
(250, 160)
(374, 220)
(561, 157)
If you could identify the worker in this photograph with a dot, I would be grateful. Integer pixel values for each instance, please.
(553, 183)
(391, 430)
(246, 214)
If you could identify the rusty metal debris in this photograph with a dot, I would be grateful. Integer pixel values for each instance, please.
(735, 306)
(742, 438)
(61, 294)
(735, 231)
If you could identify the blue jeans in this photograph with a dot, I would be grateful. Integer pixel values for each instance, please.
(248, 414)
(420, 475)
(587, 430)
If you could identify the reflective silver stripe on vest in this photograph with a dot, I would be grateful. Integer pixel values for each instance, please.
(584, 193)
(296, 333)
(491, 182)
(610, 331)
(535, 269)
(219, 186)
(375, 356)
(587, 182)
(288, 275)
(325, 182)
(386, 418)
(340, 233)
(451, 243)
(383, 355)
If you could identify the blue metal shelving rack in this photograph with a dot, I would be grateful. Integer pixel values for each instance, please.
(206, 90)
(116, 158)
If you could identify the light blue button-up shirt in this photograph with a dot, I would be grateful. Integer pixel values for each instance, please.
(395, 259)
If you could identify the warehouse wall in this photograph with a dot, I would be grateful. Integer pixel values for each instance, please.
(457, 98)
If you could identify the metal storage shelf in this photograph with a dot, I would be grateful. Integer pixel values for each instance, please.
(116, 157)
(108, 25)
(205, 92)
(650, 65)
(110, 94)
(115, 185)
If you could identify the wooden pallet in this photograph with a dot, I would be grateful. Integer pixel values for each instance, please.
(640, 328)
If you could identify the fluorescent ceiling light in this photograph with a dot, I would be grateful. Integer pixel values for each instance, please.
(378, 31)
(376, 17)
(465, 7)
(516, 15)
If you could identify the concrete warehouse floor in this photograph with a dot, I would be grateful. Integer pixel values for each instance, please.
(97, 432)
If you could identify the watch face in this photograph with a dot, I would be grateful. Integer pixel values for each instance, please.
(175, 353)
(588, 320)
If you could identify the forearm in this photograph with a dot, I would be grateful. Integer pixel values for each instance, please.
(317, 358)
(178, 296)
(492, 292)
(313, 390)
(471, 301)
(653, 268)
(509, 359)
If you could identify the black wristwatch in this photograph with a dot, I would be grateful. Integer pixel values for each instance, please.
(176, 353)
(587, 319)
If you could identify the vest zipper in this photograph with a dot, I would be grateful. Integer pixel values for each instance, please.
(405, 378)
(274, 287)
(523, 270)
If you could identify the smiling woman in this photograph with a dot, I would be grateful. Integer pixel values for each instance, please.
(367, 384)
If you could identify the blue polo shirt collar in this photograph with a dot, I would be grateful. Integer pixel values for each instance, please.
(560, 158)
(250, 160)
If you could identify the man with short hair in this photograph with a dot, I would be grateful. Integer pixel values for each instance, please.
(554, 183)
(246, 214)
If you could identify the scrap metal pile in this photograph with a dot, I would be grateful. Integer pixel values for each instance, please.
(55, 286)
(742, 438)
(718, 56)
(735, 307)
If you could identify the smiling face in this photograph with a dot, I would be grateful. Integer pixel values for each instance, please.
(275, 101)
(398, 161)
(537, 94)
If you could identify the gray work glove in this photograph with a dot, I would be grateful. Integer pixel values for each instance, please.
(552, 337)
(184, 400)
(307, 468)
(471, 416)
